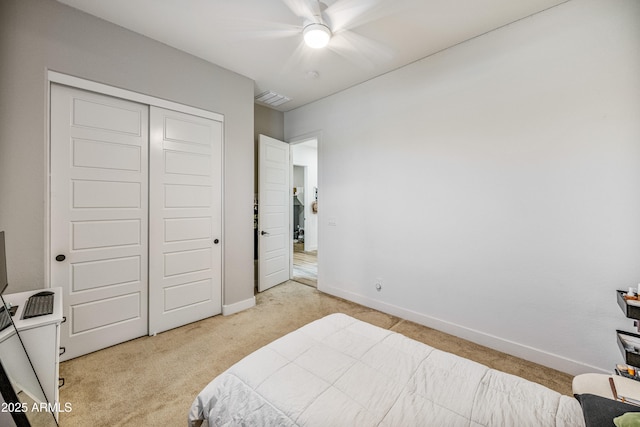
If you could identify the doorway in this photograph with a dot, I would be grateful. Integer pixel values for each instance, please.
(304, 158)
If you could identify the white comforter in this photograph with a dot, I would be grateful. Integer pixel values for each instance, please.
(339, 371)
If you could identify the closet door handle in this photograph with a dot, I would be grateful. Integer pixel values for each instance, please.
(264, 233)
(60, 258)
(216, 241)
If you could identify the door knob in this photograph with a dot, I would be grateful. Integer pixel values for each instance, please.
(216, 241)
(264, 232)
(60, 258)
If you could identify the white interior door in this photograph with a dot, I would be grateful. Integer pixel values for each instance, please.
(99, 212)
(185, 254)
(274, 199)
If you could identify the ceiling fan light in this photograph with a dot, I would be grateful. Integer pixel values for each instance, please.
(316, 35)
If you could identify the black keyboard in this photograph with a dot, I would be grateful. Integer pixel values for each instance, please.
(38, 305)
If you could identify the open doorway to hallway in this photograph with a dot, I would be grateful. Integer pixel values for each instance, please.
(304, 156)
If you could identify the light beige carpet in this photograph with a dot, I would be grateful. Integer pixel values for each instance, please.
(153, 380)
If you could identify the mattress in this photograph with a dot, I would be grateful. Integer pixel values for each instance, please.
(339, 371)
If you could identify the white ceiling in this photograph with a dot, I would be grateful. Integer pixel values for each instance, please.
(262, 39)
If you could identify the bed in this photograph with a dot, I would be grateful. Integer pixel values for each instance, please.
(339, 371)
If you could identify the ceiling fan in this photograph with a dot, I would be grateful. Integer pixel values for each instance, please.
(316, 31)
(334, 26)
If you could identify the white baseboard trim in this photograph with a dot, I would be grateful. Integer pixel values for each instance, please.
(239, 306)
(560, 363)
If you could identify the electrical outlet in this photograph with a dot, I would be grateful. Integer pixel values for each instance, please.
(378, 285)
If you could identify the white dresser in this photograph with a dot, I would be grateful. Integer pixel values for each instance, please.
(41, 338)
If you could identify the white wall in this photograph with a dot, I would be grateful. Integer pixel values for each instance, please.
(298, 176)
(36, 35)
(307, 155)
(494, 186)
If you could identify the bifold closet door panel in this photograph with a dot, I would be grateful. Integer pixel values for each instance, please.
(185, 226)
(99, 217)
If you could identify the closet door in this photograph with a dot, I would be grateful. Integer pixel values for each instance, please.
(99, 211)
(185, 255)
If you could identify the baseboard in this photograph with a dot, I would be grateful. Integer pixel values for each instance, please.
(236, 307)
(535, 355)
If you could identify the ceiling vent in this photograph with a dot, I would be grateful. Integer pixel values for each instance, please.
(271, 98)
